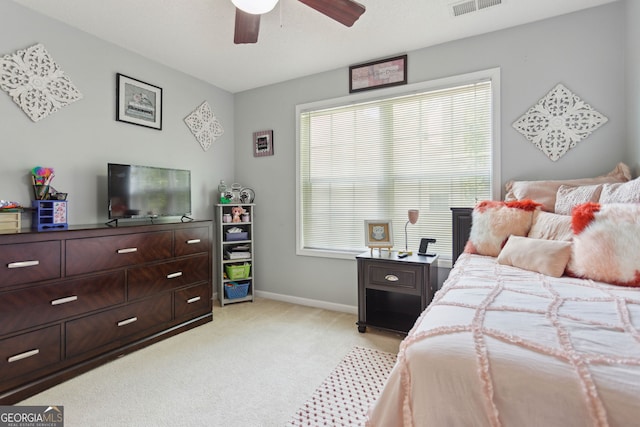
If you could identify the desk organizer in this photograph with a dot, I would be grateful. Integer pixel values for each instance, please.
(49, 215)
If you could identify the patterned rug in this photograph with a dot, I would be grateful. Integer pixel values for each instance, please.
(345, 396)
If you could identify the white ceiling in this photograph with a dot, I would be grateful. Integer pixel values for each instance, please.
(196, 36)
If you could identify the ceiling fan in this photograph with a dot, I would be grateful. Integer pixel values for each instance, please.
(248, 14)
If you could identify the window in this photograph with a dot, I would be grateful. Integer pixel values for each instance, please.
(427, 146)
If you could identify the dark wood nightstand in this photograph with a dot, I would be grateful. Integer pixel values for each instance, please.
(392, 291)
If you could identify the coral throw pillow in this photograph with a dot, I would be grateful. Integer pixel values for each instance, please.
(606, 243)
(493, 222)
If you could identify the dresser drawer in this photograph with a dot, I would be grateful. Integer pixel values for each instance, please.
(152, 279)
(101, 253)
(29, 262)
(115, 325)
(192, 240)
(30, 307)
(29, 352)
(395, 277)
(193, 300)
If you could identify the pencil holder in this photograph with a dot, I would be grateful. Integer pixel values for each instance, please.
(40, 192)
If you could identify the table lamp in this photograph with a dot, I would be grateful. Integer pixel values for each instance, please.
(413, 218)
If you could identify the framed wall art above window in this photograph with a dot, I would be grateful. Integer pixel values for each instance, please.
(378, 74)
(138, 103)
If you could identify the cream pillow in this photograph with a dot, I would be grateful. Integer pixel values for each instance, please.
(628, 192)
(551, 226)
(568, 197)
(548, 257)
(544, 192)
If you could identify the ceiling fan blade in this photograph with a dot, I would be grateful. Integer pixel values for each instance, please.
(247, 27)
(345, 12)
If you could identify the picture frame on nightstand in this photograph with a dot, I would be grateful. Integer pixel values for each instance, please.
(378, 233)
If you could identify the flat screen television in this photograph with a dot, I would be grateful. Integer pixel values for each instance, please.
(136, 191)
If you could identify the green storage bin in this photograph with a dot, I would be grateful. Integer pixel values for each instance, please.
(237, 271)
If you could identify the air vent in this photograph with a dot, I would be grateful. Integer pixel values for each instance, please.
(483, 4)
(468, 6)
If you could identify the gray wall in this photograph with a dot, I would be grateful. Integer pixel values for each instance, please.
(533, 58)
(633, 82)
(80, 139)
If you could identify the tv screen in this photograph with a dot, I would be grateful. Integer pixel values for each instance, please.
(147, 192)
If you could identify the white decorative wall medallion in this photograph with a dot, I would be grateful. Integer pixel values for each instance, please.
(558, 122)
(35, 82)
(204, 125)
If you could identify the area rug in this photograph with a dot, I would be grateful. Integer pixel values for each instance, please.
(345, 396)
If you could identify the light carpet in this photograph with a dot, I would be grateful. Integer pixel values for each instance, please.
(253, 366)
(344, 397)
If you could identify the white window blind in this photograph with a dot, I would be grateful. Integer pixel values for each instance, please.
(377, 159)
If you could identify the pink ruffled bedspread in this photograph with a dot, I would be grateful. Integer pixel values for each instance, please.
(501, 346)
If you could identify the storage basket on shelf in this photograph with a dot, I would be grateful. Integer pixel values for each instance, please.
(236, 290)
(233, 237)
(237, 271)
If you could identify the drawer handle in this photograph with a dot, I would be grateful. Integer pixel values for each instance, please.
(193, 241)
(192, 300)
(174, 275)
(127, 321)
(127, 250)
(21, 264)
(391, 278)
(64, 300)
(23, 355)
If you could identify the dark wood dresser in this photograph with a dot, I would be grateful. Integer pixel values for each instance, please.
(73, 299)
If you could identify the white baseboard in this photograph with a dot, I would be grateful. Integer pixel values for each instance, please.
(304, 301)
(308, 302)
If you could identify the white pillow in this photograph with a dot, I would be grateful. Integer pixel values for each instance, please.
(568, 197)
(628, 192)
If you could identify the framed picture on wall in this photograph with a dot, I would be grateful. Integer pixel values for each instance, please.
(378, 74)
(138, 103)
(263, 143)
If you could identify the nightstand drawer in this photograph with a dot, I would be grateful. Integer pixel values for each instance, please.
(395, 277)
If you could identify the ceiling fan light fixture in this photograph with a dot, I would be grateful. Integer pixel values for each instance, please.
(255, 7)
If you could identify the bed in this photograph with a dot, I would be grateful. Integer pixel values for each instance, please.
(517, 336)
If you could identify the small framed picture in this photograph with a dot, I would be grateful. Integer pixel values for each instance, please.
(263, 143)
(138, 103)
(378, 234)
